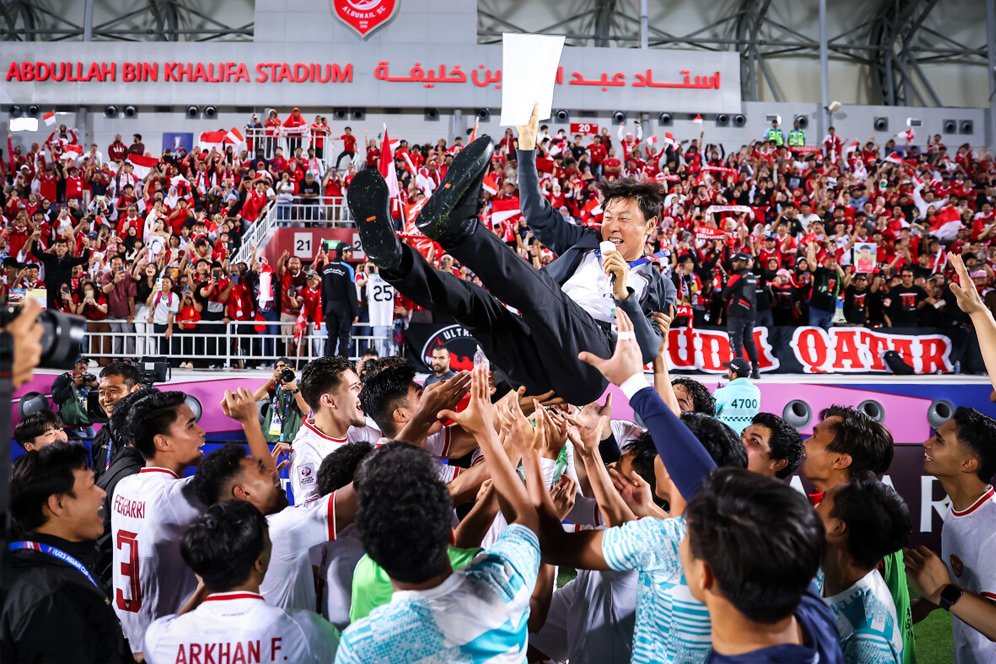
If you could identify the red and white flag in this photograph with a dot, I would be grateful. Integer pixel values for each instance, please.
(669, 139)
(387, 169)
(697, 120)
(212, 140)
(70, 151)
(235, 137)
(490, 184)
(473, 134)
(49, 118)
(909, 135)
(503, 209)
(946, 224)
(413, 236)
(894, 158)
(142, 165)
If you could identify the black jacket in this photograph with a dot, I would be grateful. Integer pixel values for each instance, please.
(58, 271)
(338, 288)
(52, 613)
(741, 293)
(125, 461)
(571, 243)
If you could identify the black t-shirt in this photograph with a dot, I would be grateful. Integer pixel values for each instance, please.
(856, 305)
(826, 287)
(903, 309)
(313, 188)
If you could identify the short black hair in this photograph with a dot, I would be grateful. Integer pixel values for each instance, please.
(118, 424)
(321, 376)
(375, 365)
(404, 512)
(702, 398)
(978, 432)
(153, 416)
(222, 544)
(877, 519)
(720, 441)
(40, 474)
(127, 371)
(216, 472)
(383, 392)
(34, 425)
(339, 467)
(868, 442)
(644, 452)
(776, 534)
(785, 443)
(648, 195)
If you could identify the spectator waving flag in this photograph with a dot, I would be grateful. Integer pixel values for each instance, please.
(387, 169)
(49, 118)
(503, 209)
(234, 136)
(946, 224)
(490, 184)
(908, 135)
(142, 165)
(212, 140)
(72, 152)
(894, 158)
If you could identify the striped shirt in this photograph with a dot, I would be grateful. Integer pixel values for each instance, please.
(866, 620)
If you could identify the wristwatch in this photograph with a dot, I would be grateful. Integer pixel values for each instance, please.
(949, 595)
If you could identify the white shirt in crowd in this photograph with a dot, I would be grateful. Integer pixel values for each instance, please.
(589, 287)
(968, 548)
(289, 582)
(241, 627)
(164, 304)
(310, 448)
(380, 301)
(149, 514)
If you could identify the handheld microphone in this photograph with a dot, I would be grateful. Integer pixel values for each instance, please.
(605, 247)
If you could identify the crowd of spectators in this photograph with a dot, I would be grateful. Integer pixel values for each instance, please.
(860, 225)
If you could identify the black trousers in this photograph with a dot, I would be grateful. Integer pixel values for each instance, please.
(537, 348)
(338, 325)
(741, 332)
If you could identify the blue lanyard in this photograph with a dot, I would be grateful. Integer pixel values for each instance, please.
(56, 553)
(637, 263)
(110, 449)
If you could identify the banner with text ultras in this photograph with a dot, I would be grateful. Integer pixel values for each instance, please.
(387, 75)
(809, 350)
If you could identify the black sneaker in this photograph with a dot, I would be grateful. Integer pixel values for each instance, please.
(450, 215)
(369, 202)
(755, 375)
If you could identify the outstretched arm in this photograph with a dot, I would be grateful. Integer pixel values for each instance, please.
(971, 303)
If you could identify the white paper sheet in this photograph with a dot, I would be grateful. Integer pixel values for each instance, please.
(528, 73)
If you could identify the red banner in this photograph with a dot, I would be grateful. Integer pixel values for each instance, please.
(585, 128)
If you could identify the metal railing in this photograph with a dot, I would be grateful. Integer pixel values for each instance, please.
(233, 345)
(326, 211)
(327, 147)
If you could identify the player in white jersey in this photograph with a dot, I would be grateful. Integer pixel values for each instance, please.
(231, 474)
(229, 548)
(380, 307)
(151, 510)
(962, 455)
(330, 387)
(477, 614)
(864, 521)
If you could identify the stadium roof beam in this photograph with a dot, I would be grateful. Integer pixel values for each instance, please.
(894, 33)
(604, 15)
(748, 27)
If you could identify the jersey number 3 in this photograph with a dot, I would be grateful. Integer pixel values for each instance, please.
(129, 570)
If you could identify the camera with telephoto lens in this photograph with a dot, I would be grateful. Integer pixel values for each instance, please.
(61, 340)
(89, 378)
(286, 376)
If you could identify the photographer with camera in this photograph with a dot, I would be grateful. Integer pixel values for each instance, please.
(69, 391)
(287, 406)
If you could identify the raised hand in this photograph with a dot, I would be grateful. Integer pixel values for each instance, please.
(563, 495)
(626, 360)
(239, 405)
(478, 417)
(527, 132)
(968, 297)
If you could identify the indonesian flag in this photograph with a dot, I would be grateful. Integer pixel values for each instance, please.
(70, 151)
(505, 209)
(894, 158)
(387, 169)
(49, 118)
(544, 165)
(235, 137)
(300, 326)
(697, 120)
(909, 135)
(946, 224)
(490, 184)
(473, 133)
(592, 210)
(851, 147)
(413, 236)
(142, 165)
(669, 139)
(650, 141)
(213, 140)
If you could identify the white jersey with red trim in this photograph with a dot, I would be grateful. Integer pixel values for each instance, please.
(289, 582)
(310, 447)
(968, 547)
(149, 514)
(365, 434)
(241, 627)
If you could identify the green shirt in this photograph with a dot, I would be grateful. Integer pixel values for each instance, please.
(372, 586)
(777, 136)
(894, 573)
(797, 138)
(283, 418)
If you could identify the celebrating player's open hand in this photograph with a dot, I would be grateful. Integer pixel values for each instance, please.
(479, 415)
(625, 361)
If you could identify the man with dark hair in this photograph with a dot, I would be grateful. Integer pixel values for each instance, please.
(906, 299)
(774, 447)
(740, 294)
(330, 387)
(229, 548)
(693, 396)
(58, 262)
(54, 609)
(117, 380)
(231, 474)
(760, 600)
(865, 521)
(564, 308)
(39, 430)
(70, 391)
(339, 302)
(962, 456)
(440, 366)
(670, 625)
(477, 613)
(151, 510)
